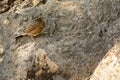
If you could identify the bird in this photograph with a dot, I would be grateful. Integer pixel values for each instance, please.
(34, 28)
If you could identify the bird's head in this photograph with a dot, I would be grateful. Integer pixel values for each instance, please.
(39, 18)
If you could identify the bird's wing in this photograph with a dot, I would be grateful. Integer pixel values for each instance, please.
(31, 27)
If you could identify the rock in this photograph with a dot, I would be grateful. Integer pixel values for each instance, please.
(109, 67)
(6, 22)
(1, 49)
(36, 2)
(76, 37)
(1, 53)
(3, 6)
(46, 66)
(33, 64)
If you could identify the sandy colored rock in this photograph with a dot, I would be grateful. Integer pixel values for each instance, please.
(109, 67)
(1, 53)
(33, 64)
(6, 22)
(36, 2)
(46, 66)
(1, 49)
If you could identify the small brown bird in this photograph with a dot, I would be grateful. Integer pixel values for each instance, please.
(34, 28)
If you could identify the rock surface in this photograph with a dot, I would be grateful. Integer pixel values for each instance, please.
(33, 64)
(109, 67)
(1, 53)
(77, 35)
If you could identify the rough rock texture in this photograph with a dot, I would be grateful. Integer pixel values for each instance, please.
(1, 53)
(5, 5)
(33, 64)
(109, 67)
(77, 35)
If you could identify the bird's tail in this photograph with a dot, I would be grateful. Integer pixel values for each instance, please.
(19, 34)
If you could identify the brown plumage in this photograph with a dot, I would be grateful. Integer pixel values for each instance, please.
(34, 28)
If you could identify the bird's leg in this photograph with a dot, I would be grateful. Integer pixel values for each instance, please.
(32, 39)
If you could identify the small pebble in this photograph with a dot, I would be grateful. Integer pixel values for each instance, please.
(25, 19)
(1, 49)
(1, 53)
(6, 22)
(36, 2)
(90, 32)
